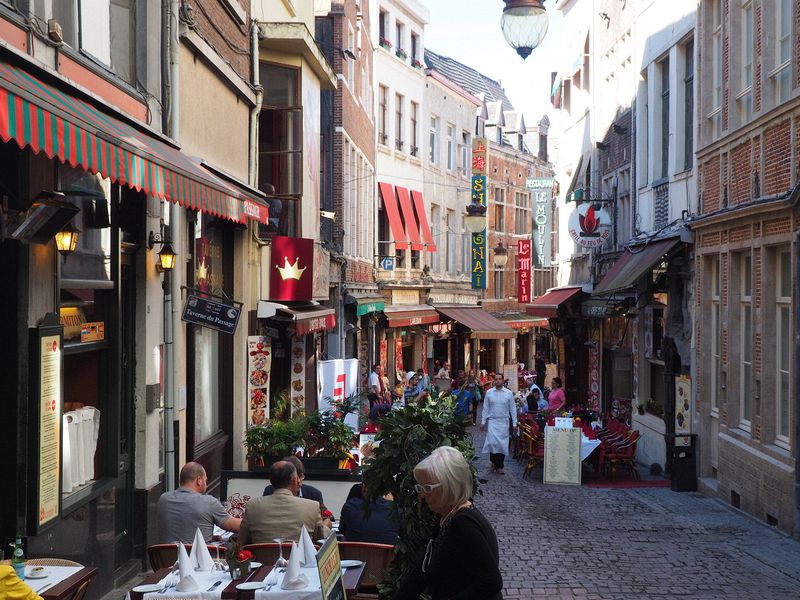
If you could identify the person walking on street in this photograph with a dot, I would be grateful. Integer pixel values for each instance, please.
(498, 407)
(474, 388)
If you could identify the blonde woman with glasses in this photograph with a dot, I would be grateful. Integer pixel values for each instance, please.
(461, 561)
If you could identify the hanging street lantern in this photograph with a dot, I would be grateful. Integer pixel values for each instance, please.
(475, 219)
(500, 256)
(524, 25)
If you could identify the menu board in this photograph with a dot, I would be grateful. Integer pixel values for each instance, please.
(49, 427)
(259, 363)
(562, 455)
(510, 373)
(683, 405)
(330, 570)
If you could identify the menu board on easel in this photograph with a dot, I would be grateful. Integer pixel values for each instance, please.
(562, 455)
(47, 345)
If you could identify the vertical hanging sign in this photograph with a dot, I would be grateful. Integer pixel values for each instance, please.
(478, 246)
(259, 364)
(524, 271)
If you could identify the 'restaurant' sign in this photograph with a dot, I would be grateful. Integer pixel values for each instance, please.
(291, 272)
(478, 247)
(589, 227)
(542, 191)
(210, 313)
(524, 271)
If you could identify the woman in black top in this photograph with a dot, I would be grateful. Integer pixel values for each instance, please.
(461, 562)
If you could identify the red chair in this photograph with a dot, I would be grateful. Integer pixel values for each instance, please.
(535, 449)
(624, 457)
(376, 557)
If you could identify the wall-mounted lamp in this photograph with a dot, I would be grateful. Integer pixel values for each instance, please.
(67, 239)
(327, 214)
(167, 256)
(500, 256)
(601, 146)
(475, 219)
(346, 54)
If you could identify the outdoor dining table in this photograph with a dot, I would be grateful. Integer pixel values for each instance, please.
(61, 582)
(227, 590)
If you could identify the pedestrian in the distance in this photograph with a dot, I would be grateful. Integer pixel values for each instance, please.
(462, 560)
(474, 388)
(498, 408)
(556, 399)
(541, 369)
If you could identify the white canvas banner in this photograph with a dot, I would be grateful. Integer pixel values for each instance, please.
(337, 379)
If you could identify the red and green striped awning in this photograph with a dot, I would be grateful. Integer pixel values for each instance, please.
(40, 116)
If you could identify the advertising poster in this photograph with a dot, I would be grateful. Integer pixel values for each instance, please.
(259, 362)
(49, 427)
(338, 379)
(683, 405)
(298, 384)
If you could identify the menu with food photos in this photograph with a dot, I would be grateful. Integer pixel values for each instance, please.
(298, 384)
(259, 362)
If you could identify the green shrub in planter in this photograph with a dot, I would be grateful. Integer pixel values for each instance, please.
(275, 438)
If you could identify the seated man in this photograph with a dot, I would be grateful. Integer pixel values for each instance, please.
(182, 511)
(379, 528)
(306, 491)
(281, 514)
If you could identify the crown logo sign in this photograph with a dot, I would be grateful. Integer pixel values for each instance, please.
(290, 271)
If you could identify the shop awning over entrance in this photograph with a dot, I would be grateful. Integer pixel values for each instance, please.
(483, 325)
(519, 321)
(307, 318)
(406, 315)
(38, 115)
(547, 306)
(393, 214)
(365, 303)
(632, 265)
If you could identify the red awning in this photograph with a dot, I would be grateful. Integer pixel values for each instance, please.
(41, 116)
(547, 305)
(309, 320)
(425, 228)
(632, 264)
(408, 216)
(408, 315)
(483, 325)
(393, 213)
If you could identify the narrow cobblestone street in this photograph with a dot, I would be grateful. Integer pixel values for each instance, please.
(559, 541)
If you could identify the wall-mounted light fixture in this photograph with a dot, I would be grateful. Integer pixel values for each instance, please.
(67, 239)
(475, 219)
(167, 256)
(500, 255)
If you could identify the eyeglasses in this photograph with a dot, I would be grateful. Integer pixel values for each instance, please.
(426, 488)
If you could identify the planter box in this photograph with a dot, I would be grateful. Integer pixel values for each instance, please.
(262, 463)
(320, 463)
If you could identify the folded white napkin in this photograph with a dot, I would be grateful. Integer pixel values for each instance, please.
(200, 556)
(185, 565)
(170, 580)
(308, 554)
(293, 578)
(187, 584)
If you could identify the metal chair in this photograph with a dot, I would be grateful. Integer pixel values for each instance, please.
(377, 557)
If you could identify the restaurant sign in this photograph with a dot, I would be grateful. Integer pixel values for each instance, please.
(478, 246)
(201, 310)
(524, 271)
(589, 227)
(542, 191)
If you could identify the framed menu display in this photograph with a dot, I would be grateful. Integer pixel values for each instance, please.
(330, 570)
(562, 455)
(44, 447)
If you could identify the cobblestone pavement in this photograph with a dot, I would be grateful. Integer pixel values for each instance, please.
(559, 541)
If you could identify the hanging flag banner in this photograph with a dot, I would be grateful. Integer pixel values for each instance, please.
(259, 362)
(298, 385)
(542, 191)
(524, 271)
(337, 379)
(291, 273)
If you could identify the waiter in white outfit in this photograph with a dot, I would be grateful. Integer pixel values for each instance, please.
(498, 407)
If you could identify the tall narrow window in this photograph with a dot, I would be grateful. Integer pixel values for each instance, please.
(499, 208)
(466, 152)
(351, 64)
(783, 347)
(451, 148)
(716, 333)
(499, 285)
(688, 105)
(398, 121)
(414, 141)
(399, 30)
(434, 141)
(664, 66)
(715, 114)
(452, 240)
(782, 72)
(522, 213)
(383, 110)
(745, 95)
(414, 48)
(745, 340)
(436, 230)
(383, 25)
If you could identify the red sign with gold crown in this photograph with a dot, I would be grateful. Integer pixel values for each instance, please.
(291, 274)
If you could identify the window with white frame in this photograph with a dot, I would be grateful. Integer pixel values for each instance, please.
(399, 102)
(413, 148)
(415, 53)
(466, 152)
(715, 113)
(643, 131)
(715, 367)
(451, 237)
(433, 141)
(664, 117)
(351, 64)
(436, 230)
(783, 347)
(522, 213)
(745, 340)
(745, 95)
(399, 35)
(347, 175)
(782, 73)
(687, 114)
(451, 147)
(383, 114)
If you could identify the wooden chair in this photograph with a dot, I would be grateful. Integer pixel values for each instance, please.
(267, 553)
(81, 591)
(377, 557)
(535, 445)
(623, 457)
(52, 562)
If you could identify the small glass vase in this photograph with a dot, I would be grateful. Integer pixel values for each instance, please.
(239, 570)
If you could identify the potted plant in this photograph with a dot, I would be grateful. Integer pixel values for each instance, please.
(270, 441)
(416, 63)
(401, 53)
(385, 43)
(326, 439)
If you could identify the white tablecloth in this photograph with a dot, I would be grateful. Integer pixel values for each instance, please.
(204, 581)
(588, 446)
(313, 591)
(55, 575)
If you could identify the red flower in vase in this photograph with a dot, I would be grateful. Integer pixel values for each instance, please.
(244, 556)
(327, 514)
